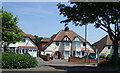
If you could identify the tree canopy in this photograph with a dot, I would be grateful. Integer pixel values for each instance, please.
(10, 31)
(103, 15)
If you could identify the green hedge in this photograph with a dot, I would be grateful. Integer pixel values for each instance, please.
(12, 60)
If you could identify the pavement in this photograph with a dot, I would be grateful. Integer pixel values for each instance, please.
(61, 62)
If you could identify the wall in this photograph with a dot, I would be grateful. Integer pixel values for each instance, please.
(62, 48)
(27, 42)
(82, 60)
(106, 51)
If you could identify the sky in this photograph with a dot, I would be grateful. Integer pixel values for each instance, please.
(43, 19)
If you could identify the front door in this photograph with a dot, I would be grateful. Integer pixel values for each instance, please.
(57, 55)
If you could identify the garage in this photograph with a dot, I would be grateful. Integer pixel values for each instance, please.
(32, 51)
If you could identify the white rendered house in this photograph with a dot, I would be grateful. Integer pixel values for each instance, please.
(25, 46)
(105, 46)
(64, 44)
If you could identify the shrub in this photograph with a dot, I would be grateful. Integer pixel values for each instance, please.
(102, 56)
(110, 63)
(108, 57)
(12, 60)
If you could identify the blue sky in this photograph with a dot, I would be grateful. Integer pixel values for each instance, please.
(43, 19)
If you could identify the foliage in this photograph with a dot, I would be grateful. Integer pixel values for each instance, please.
(103, 15)
(12, 60)
(10, 31)
(37, 39)
(110, 63)
(108, 57)
(102, 56)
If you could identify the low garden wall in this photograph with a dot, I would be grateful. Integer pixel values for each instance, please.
(45, 57)
(76, 59)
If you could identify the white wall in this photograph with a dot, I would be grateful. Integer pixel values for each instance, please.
(27, 42)
(53, 47)
(106, 51)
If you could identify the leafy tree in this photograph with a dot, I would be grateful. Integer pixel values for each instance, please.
(37, 39)
(10, 31)
(38, 43)
(102, 15)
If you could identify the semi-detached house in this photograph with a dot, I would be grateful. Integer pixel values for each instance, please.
(64, 44)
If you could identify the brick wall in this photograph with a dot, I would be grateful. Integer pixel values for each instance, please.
(45, 57)
(75, 59)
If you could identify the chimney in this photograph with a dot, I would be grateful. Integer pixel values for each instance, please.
(66, 29)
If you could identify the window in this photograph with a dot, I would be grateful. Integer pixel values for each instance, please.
(66, 43)
(109, 47)
(78, 53)
(23, 40)
(76, 39)
(66, 39)
(23, 50)
(77, 44)
(73, 53)
(34, 50)
(83, 53)
(30, 50)
(84, 44)
(57, 43)
(20, 51)
(12, 49)
(67, 53)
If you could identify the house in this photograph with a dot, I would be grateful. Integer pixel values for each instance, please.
(25, 46)
(104, 46)
(64, 44)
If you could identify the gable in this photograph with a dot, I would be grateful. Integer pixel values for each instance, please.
(66, 39)
(23, 42)
(76, 39)
(26, 42)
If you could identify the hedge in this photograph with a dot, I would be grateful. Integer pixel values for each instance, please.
(12, 60)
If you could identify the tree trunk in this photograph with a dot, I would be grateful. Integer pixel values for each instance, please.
(5, 48)
(115, 52)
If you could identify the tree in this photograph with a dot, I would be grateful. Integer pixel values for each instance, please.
(38, 43)
(37, 39)
(102, 15)
(10, 31)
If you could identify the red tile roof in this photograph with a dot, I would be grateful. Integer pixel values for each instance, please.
(103, 42)
(28, 47)
(86, 49)
(60, 35)
(45, 39)
(29, 35)
(70, 34)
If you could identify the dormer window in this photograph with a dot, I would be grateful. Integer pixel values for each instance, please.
(76, 39)
(57, 43)
(66, 39)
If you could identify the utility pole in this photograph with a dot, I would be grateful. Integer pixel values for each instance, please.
(85, 41)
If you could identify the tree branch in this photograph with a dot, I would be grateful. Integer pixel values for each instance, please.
(104, 29)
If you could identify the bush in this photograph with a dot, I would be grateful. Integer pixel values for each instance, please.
(102, 56)
(12, 60)
(108, 57)
(110, 63)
